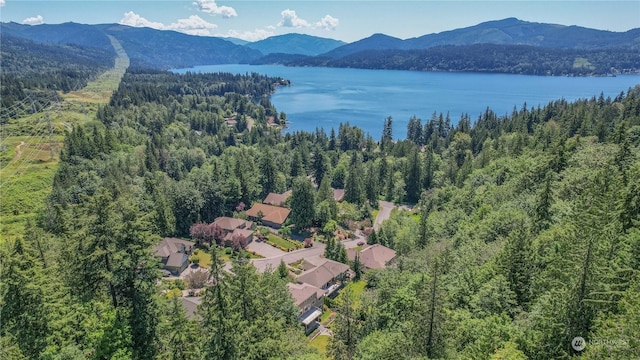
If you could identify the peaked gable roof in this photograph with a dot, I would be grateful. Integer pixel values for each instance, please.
(230, 224)
(376, 256)
(323, 273)
(274, 214)
(169, 246)
(277, 199)
(302, 292)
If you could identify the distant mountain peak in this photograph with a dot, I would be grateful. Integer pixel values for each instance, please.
(294, 43)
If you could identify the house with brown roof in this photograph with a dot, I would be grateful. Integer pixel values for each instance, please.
(269, 215)
(326, 275)
(309, 300)
(277, 199)
(174, 254)
(374, 256)
(229, 225)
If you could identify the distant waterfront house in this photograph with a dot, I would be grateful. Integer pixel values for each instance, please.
(174, 254)
(309, 300)
(277, 199)
(326, 275)
(272, 216)
(374, 257)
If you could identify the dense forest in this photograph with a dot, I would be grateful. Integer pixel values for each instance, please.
(511, 59)
(524, 230)
(35, 70)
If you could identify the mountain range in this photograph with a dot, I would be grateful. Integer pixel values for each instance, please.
(169, 49)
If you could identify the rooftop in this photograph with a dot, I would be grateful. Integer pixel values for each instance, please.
(277, 199)
(374, 257)
(230, 224)
(274, 214)
(323, 273)
(302, 292)
(170, 246)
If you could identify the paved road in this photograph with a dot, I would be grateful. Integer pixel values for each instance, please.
(383, 214)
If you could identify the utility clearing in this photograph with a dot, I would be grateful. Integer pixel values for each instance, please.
(30, 146)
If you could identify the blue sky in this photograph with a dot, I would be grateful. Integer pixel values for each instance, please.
(349, 20)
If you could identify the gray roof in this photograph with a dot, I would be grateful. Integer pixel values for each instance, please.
(176, 260)
(190, 304)
(169, 246)
(374, 257)
(322, 274)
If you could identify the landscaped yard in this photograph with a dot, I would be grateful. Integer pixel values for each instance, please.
(280, 242)
(320, 343)
(326, 315)
(356, 288)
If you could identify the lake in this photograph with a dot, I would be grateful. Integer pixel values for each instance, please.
(326, 97)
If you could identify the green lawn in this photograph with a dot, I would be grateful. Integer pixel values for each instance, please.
(356, 288)
(280, 242)
(326, 315)
(320, 343)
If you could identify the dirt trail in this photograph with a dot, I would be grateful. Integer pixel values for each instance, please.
(19, 149)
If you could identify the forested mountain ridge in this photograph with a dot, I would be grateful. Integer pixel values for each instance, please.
(509, 31)
(145, 46)
(295, 44)
(511, 59)
(525, 232)
(169, 49)
(30, 68)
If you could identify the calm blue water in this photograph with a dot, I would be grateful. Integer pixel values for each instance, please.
(325, 97)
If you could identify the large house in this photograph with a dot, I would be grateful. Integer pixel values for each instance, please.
(269, 215)
(326, 275)
(373, 257)
(235, 228)
(277, 199)
(309, 300)
(174, 254)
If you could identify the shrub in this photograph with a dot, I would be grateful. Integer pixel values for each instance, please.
(179, 284)
(197, 279)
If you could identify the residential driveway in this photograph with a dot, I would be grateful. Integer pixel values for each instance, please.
(265, 250)
(383, 214)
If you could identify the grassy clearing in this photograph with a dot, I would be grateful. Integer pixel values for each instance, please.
(582, 63)
(27, 166)
(320, 343)
(100, 90)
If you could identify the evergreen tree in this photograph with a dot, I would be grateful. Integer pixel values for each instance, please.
(346, 329)
(23, 310)
(268, 172)
(354, 188)
(302, 203)
(413, 178)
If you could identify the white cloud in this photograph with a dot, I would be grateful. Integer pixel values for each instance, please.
(1, 3)
(291, 19)
(35, 20)
(257, 34)
(132, 19)
(328, 22)
(210, 6)
(193, 25)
